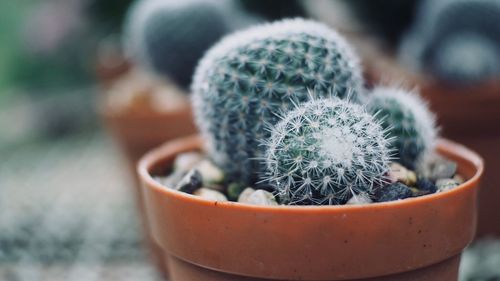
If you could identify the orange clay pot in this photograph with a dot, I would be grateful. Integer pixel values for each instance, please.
(414, 239)
(467, 114)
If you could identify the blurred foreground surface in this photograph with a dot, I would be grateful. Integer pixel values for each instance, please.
(65, 210)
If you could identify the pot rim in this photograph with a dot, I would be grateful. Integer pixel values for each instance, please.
(175, 147)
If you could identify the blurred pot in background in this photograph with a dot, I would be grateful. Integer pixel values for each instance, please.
(141, 111)
(452, 54)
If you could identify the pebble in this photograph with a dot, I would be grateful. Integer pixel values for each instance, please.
(359, 199)
(234, 190)
(190, 182)
(170, 180)
(398, 173)
(210, 194)
(210, 173)
(394, 191)
(444, 169)
(245, 193)
(437, 167)
(446, 184)
(459, 179)
(186, 161)
(426, 186)
(258, 197)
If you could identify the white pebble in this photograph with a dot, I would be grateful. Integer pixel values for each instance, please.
(186, 161)
(359, 199)
(210, 194)
(446, 184)
(257, 197)
(210, 173)
(245, 193)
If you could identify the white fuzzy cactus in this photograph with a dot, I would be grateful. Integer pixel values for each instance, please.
(407, 119)
(325, 151)
(250, 76)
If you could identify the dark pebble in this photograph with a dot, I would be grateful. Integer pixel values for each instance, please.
(394, 191)
(190, 182)
(426, 185)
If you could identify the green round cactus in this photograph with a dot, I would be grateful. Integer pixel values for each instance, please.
(326, 151)
(408, 120)
(245, 81)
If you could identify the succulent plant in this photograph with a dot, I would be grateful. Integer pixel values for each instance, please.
(408, 121)
(465, 58)
(456, 40)
(245, 81)
(325, 151)
(170, 36)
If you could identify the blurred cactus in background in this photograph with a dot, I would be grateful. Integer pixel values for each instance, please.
(456, 40)
(465, 57)
(247, 79)
(325, 152)
(108, 15)
(170, 36)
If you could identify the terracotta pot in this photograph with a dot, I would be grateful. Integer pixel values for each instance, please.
(110, 65)
(139, 132)
(414, 239)
(467, 114)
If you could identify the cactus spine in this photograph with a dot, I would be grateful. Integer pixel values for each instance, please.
(249, 77)
(326, 151)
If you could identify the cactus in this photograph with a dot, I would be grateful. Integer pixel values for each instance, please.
(407, 119)
(170, 36)
(465, 58)
(249, 77)
(325, 152)
(456, 40)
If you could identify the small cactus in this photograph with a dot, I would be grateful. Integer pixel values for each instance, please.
(170, 36)
(456, 40)
(244, 82)
(326, 151)
(408, 121)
